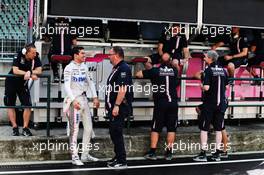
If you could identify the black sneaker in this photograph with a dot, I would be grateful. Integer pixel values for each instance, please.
(62, 78)
(117, 165)
(216, 156)
(56, 79)
(15, 132)
(150, 156)
(26, 132)
(223, 154)
(201, 157)
(168, 155)
(111, 161)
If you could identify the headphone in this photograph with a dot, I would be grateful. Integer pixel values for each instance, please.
(24, 51)
(26, 48)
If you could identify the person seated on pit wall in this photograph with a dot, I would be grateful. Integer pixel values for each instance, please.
(62, 43)
(174, 43)
(256, 55)
(238, 46)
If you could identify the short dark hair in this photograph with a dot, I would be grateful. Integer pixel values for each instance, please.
(119, 51)
(176, 25)
(29, 46)
(76, 50)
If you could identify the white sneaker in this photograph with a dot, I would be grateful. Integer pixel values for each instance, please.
(88, 157)
(77, 161)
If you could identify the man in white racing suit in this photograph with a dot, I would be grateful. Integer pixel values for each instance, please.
(78, 82)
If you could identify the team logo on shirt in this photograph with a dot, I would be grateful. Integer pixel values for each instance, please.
(166, 71)
(217, 71)
(245, 39)
(262, 35)
(123, 74)
(79, 79)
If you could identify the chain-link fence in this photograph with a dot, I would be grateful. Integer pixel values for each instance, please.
(13, 27)
(9, 48)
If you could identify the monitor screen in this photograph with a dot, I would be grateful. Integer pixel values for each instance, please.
(167, 10)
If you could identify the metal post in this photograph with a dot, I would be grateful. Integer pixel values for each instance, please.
(59, 118)
(200, 14)
(2, 46)
(183, 89)
(48, 106)
(30, 21)
(37, 18)
(261, 91)
(45, 13)
(232, 99)
(95, 110)
(59, 85)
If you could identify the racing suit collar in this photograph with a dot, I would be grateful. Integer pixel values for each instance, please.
(78, 64)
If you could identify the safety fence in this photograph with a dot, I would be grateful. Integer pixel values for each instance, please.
(47, 107)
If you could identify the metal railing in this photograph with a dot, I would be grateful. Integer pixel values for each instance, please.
(232, 92)
(232, 106)
(47, 107)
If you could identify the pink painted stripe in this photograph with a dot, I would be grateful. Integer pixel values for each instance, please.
(31, 13)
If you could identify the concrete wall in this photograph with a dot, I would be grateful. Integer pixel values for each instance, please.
(5, 67)
(3, 113)
(21, 148)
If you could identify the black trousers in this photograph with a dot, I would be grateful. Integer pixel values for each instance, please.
(116, 133)
(54, 65)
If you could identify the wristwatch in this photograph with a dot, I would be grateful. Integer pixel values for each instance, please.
(117, 105)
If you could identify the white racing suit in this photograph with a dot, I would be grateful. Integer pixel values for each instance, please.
(78, 83)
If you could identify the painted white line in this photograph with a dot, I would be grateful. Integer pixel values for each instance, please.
(34, 162)
(255, 172)
(246, 152)
(129, 167)
(106, 159)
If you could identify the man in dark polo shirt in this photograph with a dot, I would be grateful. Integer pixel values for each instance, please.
(165, 112)
(119, 96)
(238, 46)
(257, 50)
(26, 65)
(173, 43)
(214, 105)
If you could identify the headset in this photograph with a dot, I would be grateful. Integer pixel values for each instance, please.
(24, 51)
(26, 48)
